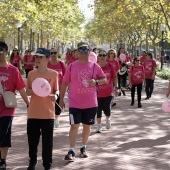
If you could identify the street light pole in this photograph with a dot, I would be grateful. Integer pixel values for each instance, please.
(19, 25)
(162, 44)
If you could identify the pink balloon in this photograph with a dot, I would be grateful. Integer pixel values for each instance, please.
(41, 87)
(93, 57)
(122, 57)
(166, 106)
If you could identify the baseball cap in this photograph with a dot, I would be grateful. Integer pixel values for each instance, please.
(82, 44)
(43, 52)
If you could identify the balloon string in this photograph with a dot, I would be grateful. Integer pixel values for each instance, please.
(58, 105)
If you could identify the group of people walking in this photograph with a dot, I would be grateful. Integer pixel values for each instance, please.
(90, 87)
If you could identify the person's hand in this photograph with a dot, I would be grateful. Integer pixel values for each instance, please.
(92, 82)
(29, 92)
(130, 84)
(167, 93)
(53, 97)
(153, 77)
(117, 92)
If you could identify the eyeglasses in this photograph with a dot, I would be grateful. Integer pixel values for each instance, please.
(53, 53)
(85, 50)
(102, 55)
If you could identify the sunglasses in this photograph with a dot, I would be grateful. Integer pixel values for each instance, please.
(102, 55)
(85, 50)
(15, 50)
(53, 53)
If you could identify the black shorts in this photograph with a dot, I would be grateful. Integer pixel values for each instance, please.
(5, 131)
(85, 116)
(104, 104)
(57, 108)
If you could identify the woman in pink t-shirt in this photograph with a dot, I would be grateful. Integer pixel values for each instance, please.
(60, 67)
(15, 59)
(136, 79)
(105, 91)
(28, 62)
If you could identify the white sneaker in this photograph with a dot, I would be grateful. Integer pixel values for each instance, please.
(99, 129)
(56, 123)
(108, 124)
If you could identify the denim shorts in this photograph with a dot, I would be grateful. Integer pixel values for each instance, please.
(85, 116)
(5, 131)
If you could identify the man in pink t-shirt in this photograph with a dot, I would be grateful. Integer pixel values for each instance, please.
(82, 76)
(150, 71)
(10, 80)
(143, 58)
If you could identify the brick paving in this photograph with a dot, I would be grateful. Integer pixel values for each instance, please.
(139, 139)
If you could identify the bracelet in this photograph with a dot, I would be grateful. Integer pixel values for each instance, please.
(97, 82)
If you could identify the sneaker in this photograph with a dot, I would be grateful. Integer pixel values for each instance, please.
(70, 156)
(56, 123)
(32, 165)
(108, 124)
(99, 129)
(114, 104)
(3, 166)
(139, 105)
(83, 152)
(124, 94)
(146, 98)
(132, 103)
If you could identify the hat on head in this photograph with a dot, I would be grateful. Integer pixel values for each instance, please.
(43, 52)
(82, 44)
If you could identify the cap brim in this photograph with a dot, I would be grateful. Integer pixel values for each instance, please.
(84, 45)
(38, 54)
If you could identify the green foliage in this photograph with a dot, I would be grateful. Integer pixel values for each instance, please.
(163, 73)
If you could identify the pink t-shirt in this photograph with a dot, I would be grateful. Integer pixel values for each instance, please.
(81, 95)
(115, 63)
(149, 65)
(16, 61)
(137, 73)
(106, 89)
(142, 60)
(11, 80)
(29, 59)
(60, 68)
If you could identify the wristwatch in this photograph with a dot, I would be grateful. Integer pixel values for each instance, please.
(97, 82)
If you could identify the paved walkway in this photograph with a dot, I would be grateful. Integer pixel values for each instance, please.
(139, 139)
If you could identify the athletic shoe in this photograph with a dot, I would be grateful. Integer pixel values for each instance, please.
(146, 98)
(32, 165)
(114, 104)
(139, 105)
(132, 103)
(56, 123)
(70, 156)
(99, 129)
(3, 166)
(83, 152)
(108, 124)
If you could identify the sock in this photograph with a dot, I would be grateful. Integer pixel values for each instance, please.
(72, 149)
(83, 146)
(3, 161)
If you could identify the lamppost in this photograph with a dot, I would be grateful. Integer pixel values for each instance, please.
(19, 25)
(162, 44)
(33, 45)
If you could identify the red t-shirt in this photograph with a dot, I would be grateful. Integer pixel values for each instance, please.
(29, 59)
(115, 63)
(60, 68)
(128, 58)
(137, 73)
(149, 65)
(11, 80)
(142, 60)
(106, 89)
(72, 59)
(16, 61)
